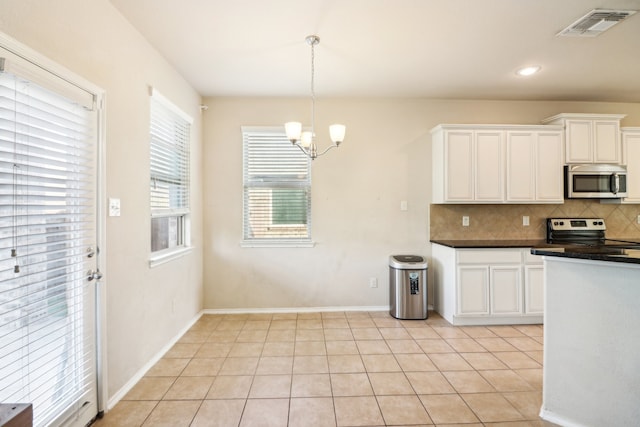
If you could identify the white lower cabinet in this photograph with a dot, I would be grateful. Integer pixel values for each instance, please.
(473, 283)
(505, 289)
(534, 289)
(488, 286)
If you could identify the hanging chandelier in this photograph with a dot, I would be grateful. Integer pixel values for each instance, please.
(306, 141)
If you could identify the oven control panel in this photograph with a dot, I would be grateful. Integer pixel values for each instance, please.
(576, 224)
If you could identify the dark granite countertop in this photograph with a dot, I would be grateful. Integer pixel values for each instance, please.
(470, 244)
(541, 247)
(593, 253)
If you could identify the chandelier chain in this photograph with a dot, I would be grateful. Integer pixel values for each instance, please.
(313, 92)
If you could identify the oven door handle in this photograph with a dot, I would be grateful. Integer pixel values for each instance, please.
(614, 181)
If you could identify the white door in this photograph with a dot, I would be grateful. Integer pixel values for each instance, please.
(48, 244)
(489, 161)
(473, 290)
(579, 141)
(505, 290)
(631, 141)
(534, 289)
(520, 166)
(549, 173)
(606, 141)
(459, 167)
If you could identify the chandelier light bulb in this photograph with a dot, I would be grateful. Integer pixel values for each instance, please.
(336, 132)
(306, 139)
(293, 130)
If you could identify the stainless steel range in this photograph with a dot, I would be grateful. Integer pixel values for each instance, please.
(588, 232)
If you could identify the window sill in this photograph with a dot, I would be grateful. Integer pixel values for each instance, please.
(164, 257)
(277, 244)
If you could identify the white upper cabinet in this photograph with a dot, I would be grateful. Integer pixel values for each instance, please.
(590, 138)
(489, 160)
(497, 164)
(458, 166)
(534, 166)
(631, 158)
(468, 165)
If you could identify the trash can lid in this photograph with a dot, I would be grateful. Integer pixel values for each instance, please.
(407, 262)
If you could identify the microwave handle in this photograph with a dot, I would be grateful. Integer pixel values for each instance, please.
(615, 183)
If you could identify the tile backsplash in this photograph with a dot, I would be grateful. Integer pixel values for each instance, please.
(505, 221)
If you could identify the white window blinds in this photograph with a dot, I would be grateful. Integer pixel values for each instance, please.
(170, 131)
(170, 136)
(277, 188)
(47, 224)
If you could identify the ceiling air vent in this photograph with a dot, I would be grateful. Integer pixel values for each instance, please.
(596, 22)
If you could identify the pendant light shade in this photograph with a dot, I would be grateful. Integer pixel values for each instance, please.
(306, 140)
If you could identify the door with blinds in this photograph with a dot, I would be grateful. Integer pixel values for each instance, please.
(48, 244)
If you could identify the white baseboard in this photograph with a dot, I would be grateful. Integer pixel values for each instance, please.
(113, 400)
(557, 419)
(292, 309)
(297, 309)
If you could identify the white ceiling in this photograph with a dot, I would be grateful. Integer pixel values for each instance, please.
(463, 49)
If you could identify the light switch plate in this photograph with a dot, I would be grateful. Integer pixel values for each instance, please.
(465, 221)
(114, 207)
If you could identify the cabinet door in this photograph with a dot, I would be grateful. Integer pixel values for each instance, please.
(606, 141)
(534, 289)
(579, 141)
(489, 161)
(473, 290)
(506, 297)
(520, 166)
(459, 166)
(631, 148)
(549, 172)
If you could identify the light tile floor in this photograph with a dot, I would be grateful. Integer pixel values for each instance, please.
(340, 369)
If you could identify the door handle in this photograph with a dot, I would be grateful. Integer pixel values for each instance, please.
(94, 275)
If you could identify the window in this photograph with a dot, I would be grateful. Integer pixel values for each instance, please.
(277, 190)
(169, 184)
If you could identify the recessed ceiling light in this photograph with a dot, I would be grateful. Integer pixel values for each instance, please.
(528, 71)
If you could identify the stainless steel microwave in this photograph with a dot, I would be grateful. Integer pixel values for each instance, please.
(595, 181)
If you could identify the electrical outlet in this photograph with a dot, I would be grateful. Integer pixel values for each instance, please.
(525, 220)
(373, 282)
(638, 219)
(403, 205)
(465, 221)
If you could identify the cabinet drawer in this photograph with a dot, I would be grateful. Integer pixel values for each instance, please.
(489, 256)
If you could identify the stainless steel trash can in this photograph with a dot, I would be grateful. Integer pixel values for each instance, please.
(408, 286)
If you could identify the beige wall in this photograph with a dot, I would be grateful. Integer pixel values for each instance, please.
(146, 307)
(356, 217)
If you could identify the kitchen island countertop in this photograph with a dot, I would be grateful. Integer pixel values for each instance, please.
(592, 253)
